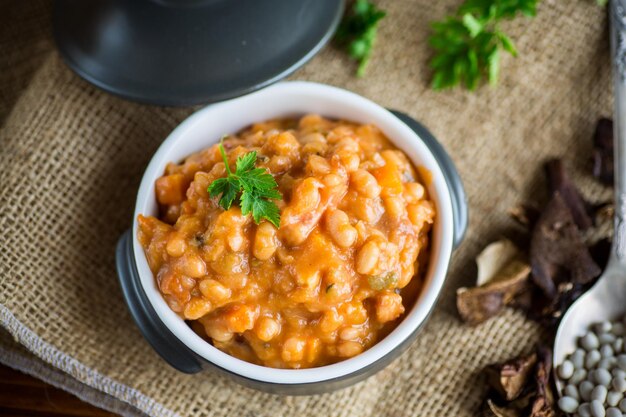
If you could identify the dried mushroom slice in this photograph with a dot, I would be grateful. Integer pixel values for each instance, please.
(510, 378)
(557, 252)
(543, 405)
(517, 408)
(525, 214)
(560, 182)
(494, 410)
(502, 274)
(494, 259)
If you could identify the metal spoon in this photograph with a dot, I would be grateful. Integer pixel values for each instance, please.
(606, 300)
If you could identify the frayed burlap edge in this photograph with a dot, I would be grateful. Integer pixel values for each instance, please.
(76, 378)
(34, 367)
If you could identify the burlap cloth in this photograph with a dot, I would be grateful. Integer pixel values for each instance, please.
(71, 158)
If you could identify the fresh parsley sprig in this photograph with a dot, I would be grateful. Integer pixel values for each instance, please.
(357, 32)
(467, 45)
(255, 188)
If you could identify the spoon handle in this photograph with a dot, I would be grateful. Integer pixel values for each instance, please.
(618, 51)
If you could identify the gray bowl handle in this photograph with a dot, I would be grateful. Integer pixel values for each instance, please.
(160, 338)
(451, 175)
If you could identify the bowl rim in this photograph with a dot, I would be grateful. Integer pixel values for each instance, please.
(297, 96)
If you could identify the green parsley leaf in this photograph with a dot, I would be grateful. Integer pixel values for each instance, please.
(467, 45)
(255, 187)
(357, 32)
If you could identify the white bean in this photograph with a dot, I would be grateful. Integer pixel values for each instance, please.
(607, 363)
(578, 358)
(606, 351)
(618, 345)
(566, 370)
(578, 377)
(602, 377)
(618, 329)
(613, 412)
(597, 409)
(607, 338)
(584, 410)
(599, 393)
(603, 327)
(618, 373)
(622, 405)
(568, 404)
(592, 359)
(613, 398)
(619, 384)
(590, 341)
(621, 362)
(585, 389)
(571, 391)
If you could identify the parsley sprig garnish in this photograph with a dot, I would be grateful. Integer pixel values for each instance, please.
(468, 44)
(255, 188)
(357, 32)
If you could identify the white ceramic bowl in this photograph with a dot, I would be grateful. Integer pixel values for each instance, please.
(287, 99)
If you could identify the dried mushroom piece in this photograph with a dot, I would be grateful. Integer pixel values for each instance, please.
(521, 387)
(502, 274)
(516, 408)
(525, 214)
(510, 378)
(543, 405)
(494, 259)
(557, 252)
(495, 410)
(603, 151)
(549, 311)
(560, 182)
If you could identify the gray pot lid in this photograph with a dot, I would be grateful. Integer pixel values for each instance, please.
(184, 52)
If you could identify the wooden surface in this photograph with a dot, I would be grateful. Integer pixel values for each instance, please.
(22, 395)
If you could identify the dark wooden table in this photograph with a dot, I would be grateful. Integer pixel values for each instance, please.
(24, 396)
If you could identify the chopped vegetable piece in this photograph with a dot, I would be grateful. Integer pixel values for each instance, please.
(383, 281)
